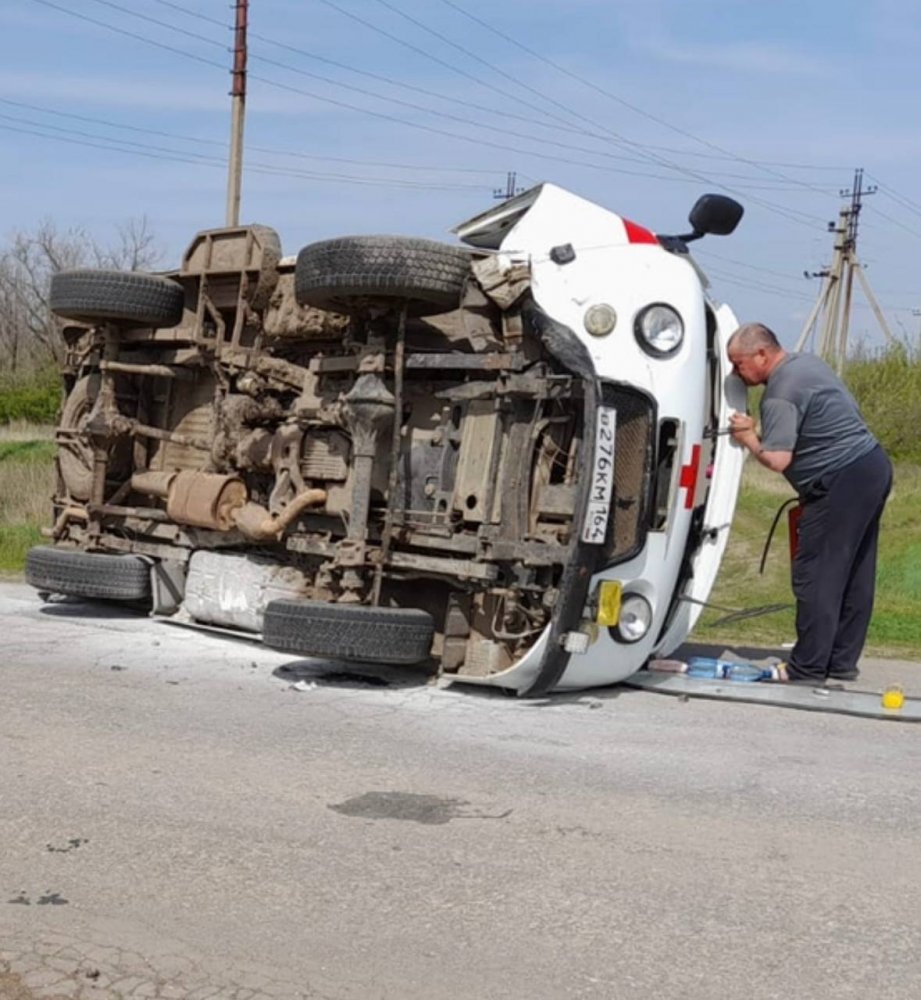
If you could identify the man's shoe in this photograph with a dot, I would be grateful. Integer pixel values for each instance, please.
(851, 675)
(782, 673)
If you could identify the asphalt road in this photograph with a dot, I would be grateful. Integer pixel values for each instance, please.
(186, 816)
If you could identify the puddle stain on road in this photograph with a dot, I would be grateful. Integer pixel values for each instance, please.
(72, 844)
(429, 809)
(49, 898)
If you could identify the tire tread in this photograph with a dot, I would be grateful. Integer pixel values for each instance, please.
(87, 574)
(87, 294)
(348, 632)
(332, 273)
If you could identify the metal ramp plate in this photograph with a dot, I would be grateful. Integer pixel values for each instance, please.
(843, 701)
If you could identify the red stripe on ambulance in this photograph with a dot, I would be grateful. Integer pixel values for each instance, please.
(637, 234)
(689, 475)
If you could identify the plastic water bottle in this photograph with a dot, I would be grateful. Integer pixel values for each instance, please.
(706, 668)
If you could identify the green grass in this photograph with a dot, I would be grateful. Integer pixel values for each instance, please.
(34, 398)
(28, 452)
(896, 626)
(15, 542)
(887, 385)
(26, 483)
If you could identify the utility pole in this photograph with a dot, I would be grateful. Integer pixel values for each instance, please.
(511, 187)
(238, 107)
(836, 315)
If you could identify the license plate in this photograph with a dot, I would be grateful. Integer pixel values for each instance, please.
(595, 525)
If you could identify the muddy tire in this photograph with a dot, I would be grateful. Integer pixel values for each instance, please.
(348, 631)
(344, 274)
(129, 297)
(87, 574)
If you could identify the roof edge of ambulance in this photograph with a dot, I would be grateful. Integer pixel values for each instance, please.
(487, 230)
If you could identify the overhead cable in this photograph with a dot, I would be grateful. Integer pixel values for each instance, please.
(614, 97)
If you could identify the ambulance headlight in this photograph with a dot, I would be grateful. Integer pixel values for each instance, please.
(635, 618)
(659, 330)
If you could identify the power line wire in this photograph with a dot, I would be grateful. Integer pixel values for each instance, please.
(612, 135)
(732, 279)
(894, 221)
(427, 55)
(130, 34)
(182, 156)
(329, 100)
(161, 24)
(194, 13)
(738, 263)
(454, 135)
(320, 97)
(503, 112)
(900, 199)
(276, 151)
(428, 92)
(397, 83)
(614, 97)
(503, 130)
(792, 214)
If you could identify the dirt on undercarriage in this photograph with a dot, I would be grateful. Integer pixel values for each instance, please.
(388, 422)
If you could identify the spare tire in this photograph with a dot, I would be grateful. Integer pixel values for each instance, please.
(351, 632)
(342, 274)
(88, 574)
(87, 296)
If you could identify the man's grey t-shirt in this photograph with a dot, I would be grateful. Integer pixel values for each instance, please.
(806, 409)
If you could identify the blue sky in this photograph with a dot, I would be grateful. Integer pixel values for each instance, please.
(404, 116)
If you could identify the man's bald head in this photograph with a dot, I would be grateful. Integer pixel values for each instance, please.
(754, 352)
(752, 336)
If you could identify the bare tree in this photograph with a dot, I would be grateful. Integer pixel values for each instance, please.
(29, 333)
(136, 249)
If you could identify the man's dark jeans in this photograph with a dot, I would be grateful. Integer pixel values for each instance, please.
(834, 570)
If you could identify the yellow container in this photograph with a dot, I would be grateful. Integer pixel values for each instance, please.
(893, 697)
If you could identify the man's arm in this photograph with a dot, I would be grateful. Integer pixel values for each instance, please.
(743, 431)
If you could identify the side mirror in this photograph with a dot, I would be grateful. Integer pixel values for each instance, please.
(714, 213)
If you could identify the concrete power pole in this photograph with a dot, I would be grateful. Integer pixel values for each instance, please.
(835, 313)
(238, 96)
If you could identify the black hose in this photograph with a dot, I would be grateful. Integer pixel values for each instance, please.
(770, 534)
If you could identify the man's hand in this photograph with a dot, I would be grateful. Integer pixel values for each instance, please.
(742, 428)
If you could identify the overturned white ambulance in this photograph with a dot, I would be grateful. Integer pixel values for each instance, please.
(504, 457)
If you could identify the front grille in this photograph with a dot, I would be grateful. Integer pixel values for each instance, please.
(632, 469)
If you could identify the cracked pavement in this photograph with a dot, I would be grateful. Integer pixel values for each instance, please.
(183, 815)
